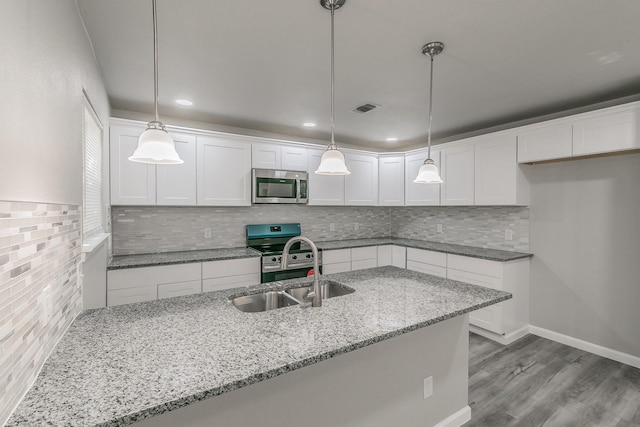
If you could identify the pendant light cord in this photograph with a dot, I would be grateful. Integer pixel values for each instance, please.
(430, 108)
(155, 58)
(333, 143)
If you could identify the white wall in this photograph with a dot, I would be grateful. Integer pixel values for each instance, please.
(585, 236)
(47, 62)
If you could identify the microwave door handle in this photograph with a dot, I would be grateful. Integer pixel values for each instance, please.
(297, 189)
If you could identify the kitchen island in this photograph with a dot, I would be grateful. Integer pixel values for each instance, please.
(197, 360)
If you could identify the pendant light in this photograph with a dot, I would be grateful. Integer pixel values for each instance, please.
(332, 162)
(428, 173)
(155, 145)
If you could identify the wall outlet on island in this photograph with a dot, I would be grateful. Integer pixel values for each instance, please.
(428, 387)
(207, 233)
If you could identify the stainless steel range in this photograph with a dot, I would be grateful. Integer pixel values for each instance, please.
(270, 240)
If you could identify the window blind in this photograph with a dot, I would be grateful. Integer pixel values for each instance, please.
(92, 213)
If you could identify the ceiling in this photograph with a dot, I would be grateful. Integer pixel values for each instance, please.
(264, 65)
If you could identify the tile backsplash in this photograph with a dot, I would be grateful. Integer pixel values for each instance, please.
(150, 229)
(40, 296)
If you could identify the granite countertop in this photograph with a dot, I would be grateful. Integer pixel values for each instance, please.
(449, 248)
(119, 365)
(166, 258)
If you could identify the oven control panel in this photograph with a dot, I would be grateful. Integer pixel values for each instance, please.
(295, 261)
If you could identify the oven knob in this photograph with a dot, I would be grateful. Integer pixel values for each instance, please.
(308, 255)
(294, 257)
(274, 259)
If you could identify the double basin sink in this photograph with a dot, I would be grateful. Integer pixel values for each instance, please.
(271, 300)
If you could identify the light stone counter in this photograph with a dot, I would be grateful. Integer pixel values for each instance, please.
(119, 365)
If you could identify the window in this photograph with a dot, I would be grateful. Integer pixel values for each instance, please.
(92, 212)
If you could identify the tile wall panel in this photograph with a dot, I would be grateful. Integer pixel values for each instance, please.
(482, 226)
(40, 250)
(165, 229)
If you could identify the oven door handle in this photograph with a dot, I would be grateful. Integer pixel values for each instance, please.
(297, 189)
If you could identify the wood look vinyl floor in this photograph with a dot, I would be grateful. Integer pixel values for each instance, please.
(536, 382)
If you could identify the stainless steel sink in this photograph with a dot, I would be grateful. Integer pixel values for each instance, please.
(329, 290)
(271, 300)
(263, 302)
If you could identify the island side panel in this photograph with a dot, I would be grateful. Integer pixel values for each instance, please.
(378, 385)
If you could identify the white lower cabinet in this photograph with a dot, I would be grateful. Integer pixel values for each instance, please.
(385, 255)
(507, 319)
(362, 258)
(231, 273)
(428, 262)
(147, 283)
(336, 261)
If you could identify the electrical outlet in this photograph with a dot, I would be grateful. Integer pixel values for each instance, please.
(332, 227)
(207, 233)
(356, 226)
(439, 228)
(508, 234)
(428, 387)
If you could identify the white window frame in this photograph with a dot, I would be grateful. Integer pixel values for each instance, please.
(93, 222)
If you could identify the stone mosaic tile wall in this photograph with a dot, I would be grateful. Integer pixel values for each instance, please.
(164, 229)
(40, 251)
(482, 226)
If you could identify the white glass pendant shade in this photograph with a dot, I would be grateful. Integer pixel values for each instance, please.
(332, 163)
(428, 173)
(155, 146)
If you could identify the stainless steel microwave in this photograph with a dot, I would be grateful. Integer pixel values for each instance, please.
(275, 186)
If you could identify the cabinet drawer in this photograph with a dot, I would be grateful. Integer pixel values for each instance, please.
(175, 273)
(435, 270)
(427, 257)
(359, 254)
(476, 279)
(489, 318)
(220, 283)
(169, 290)
(340, 267)
(364, 263)
(475, 265)
(336, 256)
(230, 267)
(131, 295)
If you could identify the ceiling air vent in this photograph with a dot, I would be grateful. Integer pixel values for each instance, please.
(365, 108)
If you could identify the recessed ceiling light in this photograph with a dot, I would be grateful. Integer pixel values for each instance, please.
(184, 102)
(309, 125)
(392, 139)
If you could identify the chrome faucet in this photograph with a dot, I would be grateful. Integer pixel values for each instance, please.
(316, 294)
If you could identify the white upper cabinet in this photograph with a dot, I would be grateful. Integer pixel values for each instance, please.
(323, 189)
(457, 171)
(294, 158)
(391, 180)
(420, 194)
(612, 129)
(275, 156)
(132, 183)
(266, 156)
(545, 142)
(361, 186)
(176, 184)
(224, 171)
(499, 179)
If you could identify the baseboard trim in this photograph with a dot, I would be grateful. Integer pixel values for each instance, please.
(456, 419)
(599, 350)
(501, 339)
